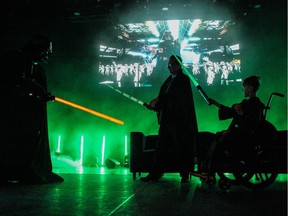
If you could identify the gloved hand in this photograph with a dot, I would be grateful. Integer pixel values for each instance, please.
(152, 104)
(50, 97)
(239, 109)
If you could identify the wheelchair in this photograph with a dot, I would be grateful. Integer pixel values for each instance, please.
(260, 167)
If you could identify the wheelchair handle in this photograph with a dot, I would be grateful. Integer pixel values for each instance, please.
(278, 94)
(269, 101)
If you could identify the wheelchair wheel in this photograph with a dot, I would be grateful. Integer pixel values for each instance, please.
(225, 172)
(227, 177)
(256, 179)
(210, 181)
(224, 184)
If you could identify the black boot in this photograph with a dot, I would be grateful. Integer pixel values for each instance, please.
(151, 178)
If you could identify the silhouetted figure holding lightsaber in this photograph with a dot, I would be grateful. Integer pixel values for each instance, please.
(178, 127)
(238, 140)
(24, 145)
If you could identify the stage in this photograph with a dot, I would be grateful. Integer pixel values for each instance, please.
(103, 191)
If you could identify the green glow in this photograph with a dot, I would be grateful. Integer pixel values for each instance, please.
(72, 124)
(81, 150)
(258, 178)
(77, 79)
(281, 178)
(102, 170)
(201, 91)
(103, 150)
(186, 71)
(80, 170)
(59, 144)
(126, 146)
(77, 13)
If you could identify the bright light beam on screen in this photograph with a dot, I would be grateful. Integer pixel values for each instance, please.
(194, 26)
(153, 28)
(81, 150)
(173, 26)
(103, 150)
(235, 47)
(59, 144)
(93, 112)
(184, 43)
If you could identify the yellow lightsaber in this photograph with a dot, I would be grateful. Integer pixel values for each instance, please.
(93, 112)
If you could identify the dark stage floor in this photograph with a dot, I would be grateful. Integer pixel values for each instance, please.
(103, 191)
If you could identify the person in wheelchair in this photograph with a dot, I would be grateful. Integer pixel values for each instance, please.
(236, 140)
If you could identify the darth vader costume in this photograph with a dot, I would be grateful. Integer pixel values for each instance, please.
(24, 144)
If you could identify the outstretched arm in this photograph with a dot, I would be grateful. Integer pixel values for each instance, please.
(212, 101)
